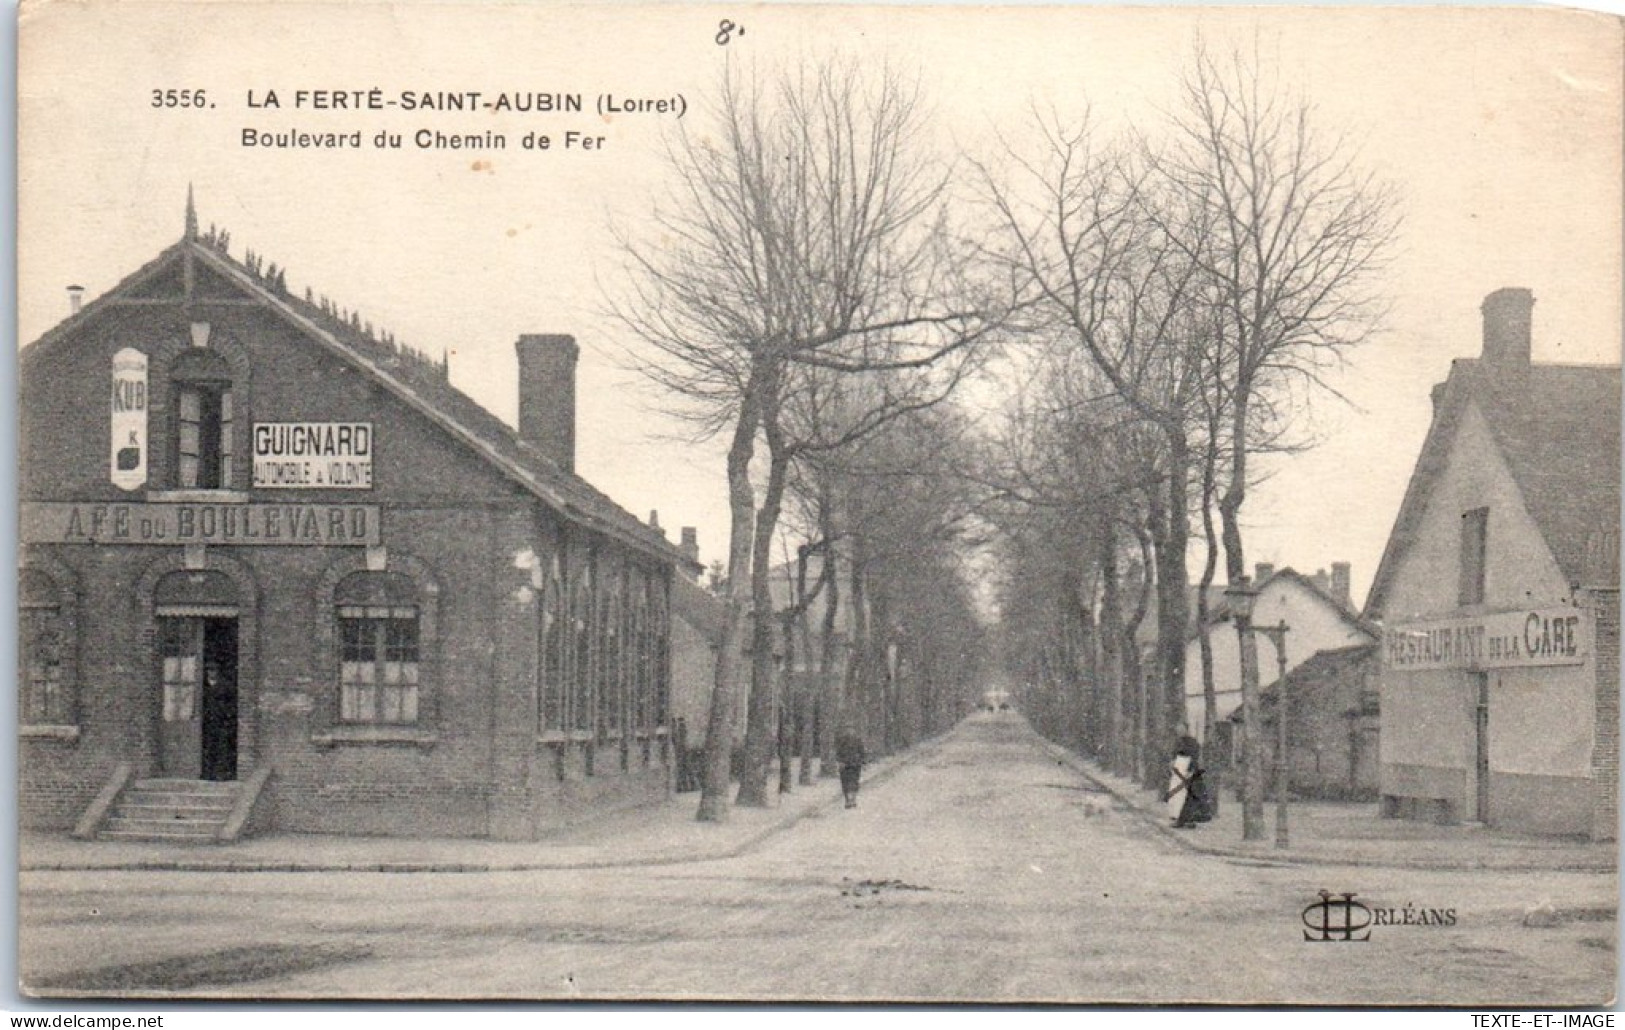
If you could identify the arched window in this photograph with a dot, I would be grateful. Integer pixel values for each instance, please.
(581, 619)
(552, 647)
(379, 649)
(201, 401)
(41, 650)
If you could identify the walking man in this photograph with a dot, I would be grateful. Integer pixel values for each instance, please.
(849, 753)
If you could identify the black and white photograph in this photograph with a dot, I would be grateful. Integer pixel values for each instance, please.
(797, 504)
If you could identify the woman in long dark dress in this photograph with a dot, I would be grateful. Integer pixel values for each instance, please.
(1187, 794)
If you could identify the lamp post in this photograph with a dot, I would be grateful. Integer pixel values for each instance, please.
(1277, 635)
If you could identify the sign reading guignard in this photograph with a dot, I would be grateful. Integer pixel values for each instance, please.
(313, 455)
(310, 525)
(1504, 640)
(129, 419)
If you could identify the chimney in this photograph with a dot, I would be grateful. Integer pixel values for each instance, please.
(1321, 581)
(547, 396)
(691, 544)
(76, 298)
(654, 522)
(1508, 315)
(1340, 584)
(1261, 572)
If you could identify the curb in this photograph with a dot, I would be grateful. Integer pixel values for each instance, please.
(887, 767)
(1189, 843)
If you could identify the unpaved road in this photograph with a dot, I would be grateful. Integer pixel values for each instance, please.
(984, 870)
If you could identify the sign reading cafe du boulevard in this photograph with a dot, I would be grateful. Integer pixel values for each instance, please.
(322, 525)
(1501, 640)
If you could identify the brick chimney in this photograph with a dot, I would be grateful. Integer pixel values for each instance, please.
(691, 543)
(1340, 584)
(1508, 316)
(1321, 581)
(1262, 571)
(547, 396)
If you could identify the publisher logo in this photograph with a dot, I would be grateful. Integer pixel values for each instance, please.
(1336, 917)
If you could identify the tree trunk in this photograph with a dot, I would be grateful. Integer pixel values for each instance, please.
(724, 690)
(761, 727)
(829, 658)
(1252, 773)
(1210, 565)
(1173, 603)
(1118, 752)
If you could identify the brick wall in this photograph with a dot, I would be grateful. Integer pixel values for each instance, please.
(449, 520)
(1605, 747)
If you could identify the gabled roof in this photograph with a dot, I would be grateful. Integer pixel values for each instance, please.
(1558, 428)
(1219, 609)
(698, 609)
(1313, 673)
(212, 277)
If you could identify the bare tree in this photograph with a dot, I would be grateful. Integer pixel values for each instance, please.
(804, 239)
(1079, 231)
(1286, 231)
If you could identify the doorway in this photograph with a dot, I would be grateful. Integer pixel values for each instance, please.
(198, 697)
(1481, 746)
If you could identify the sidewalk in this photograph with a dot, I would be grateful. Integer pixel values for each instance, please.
(1328, 833)
(663, 834)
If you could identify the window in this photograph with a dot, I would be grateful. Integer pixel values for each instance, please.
(660, 649)
(1474, 534)
(609, 638)
(581, 652)
(40, 651)
(203, 422)
(551, 690)
(179, 648)
(379, 652)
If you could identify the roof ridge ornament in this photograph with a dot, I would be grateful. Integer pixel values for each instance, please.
(191, 215)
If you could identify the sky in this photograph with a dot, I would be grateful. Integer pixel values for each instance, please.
(1501, 129)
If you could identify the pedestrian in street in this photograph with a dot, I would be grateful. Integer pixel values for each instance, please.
(1187, 794)
(849, 753)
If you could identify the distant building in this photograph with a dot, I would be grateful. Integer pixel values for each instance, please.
(1332, 724)
(276, 567)
(1318, 615)
(1498, 594)
(696, 637)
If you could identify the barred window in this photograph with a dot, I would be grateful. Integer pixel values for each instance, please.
(379, 650)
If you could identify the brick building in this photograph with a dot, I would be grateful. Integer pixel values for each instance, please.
(275, 560)
(1319, 616)
(1499, 596)
(1333, 726)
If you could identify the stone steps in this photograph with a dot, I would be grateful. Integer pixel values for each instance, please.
(178, 811)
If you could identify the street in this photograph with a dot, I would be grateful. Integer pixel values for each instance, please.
(983, 869)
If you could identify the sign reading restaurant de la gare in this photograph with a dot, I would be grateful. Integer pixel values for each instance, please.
(308, 525)
(1503, 640)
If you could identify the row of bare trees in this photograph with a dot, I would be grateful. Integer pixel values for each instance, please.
(800, 296)
(1193, 281)
(821, 285)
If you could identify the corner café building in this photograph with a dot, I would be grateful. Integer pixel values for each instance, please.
(262, 545)
(1499, 597)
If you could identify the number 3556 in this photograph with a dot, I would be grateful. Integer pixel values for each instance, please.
(179, 98)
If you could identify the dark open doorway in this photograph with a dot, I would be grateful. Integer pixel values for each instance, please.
(219, 745)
